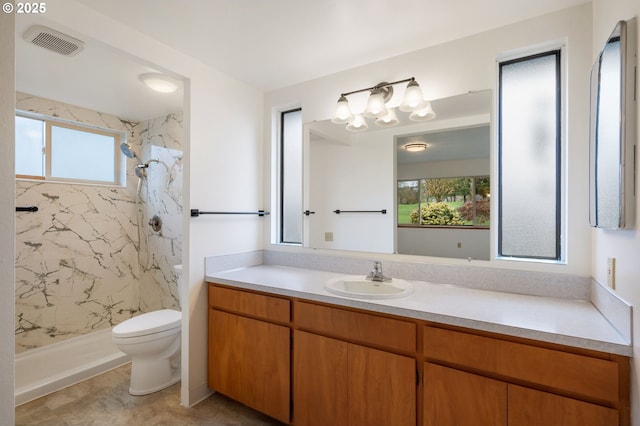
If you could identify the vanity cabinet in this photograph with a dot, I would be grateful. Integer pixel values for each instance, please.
(249, 349)
(501, 382)
(339, 382)
(310, 363)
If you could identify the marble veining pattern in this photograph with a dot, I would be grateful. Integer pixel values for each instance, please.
(161, 195)
(77, 268)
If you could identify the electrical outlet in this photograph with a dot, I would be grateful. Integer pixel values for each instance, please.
(328, 236)
(611, 272)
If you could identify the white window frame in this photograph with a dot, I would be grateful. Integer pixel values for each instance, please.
(50, 122)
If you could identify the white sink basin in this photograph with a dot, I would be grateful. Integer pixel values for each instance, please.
(354, 286)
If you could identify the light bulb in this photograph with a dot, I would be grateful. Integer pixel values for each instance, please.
(423, 114)
(375, 105)
(388, 120)
(413, 98)
(358, 124)
(343, 112)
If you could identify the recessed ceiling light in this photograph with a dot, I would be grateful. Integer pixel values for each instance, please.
(415, 147)
(159, 82)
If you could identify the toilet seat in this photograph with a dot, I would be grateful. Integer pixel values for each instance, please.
(149, 323)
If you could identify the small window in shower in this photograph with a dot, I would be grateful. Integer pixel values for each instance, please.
(60, 151)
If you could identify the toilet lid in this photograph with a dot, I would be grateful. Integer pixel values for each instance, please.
(149, 323)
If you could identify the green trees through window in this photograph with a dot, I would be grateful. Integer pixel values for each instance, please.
(456, 201)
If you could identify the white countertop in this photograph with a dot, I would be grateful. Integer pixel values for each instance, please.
(568, 322)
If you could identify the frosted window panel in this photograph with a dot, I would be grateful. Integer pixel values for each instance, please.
(29, 146)
(81, 155)
(529, 187)
(292, 177)
(609, 154)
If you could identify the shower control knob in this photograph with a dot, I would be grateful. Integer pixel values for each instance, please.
(155, 223)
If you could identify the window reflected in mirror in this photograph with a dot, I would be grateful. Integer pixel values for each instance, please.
(455, 201)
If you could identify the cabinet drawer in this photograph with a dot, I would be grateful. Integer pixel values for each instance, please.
(557, 370)
(256, 305)
(356, 326)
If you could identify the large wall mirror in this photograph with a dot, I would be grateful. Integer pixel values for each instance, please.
(362, 174)
(613, 131)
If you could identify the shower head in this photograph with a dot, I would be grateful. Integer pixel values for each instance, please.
(128, 151)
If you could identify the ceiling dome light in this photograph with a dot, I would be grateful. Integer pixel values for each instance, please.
(358, 124)
(388, 120)
(415, 147)
(343, 112)
(423, 114)
(413, 98)
(159, 82)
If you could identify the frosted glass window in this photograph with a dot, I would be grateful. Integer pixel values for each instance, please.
(53, 150)
(291, 177)
(78, 154)
(29, 147)
(529, 223)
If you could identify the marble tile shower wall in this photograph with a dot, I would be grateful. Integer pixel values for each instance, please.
(161, 196)
(77, 268)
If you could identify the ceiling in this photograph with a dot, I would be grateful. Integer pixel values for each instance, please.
(267, 44)
(454, 144)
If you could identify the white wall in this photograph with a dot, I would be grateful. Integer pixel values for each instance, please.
(360, 178)
(222, 166)
(470, 64)
(623, 245)
(7, 224)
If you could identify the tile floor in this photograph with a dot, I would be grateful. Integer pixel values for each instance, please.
(105, 400)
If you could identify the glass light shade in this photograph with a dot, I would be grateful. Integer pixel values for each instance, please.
(343, 112)
(375, 105)
(358, 124)
(423, 114)
(388, 120)
(159, 82)
(413, 99)
(415, 147)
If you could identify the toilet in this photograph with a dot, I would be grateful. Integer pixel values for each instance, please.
(152, 340)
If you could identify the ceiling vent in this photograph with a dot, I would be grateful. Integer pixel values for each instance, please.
(53, 40)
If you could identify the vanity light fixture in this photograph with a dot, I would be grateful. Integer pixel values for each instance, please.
(415, 146)
(159, 82)
(381, 93)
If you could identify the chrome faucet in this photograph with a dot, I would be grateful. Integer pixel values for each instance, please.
(376, 274)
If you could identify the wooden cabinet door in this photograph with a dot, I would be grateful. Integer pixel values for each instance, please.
(528, 407)
(382, 388)
(339, 383)
(249, 361)
(319, 380)
(456, 398)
